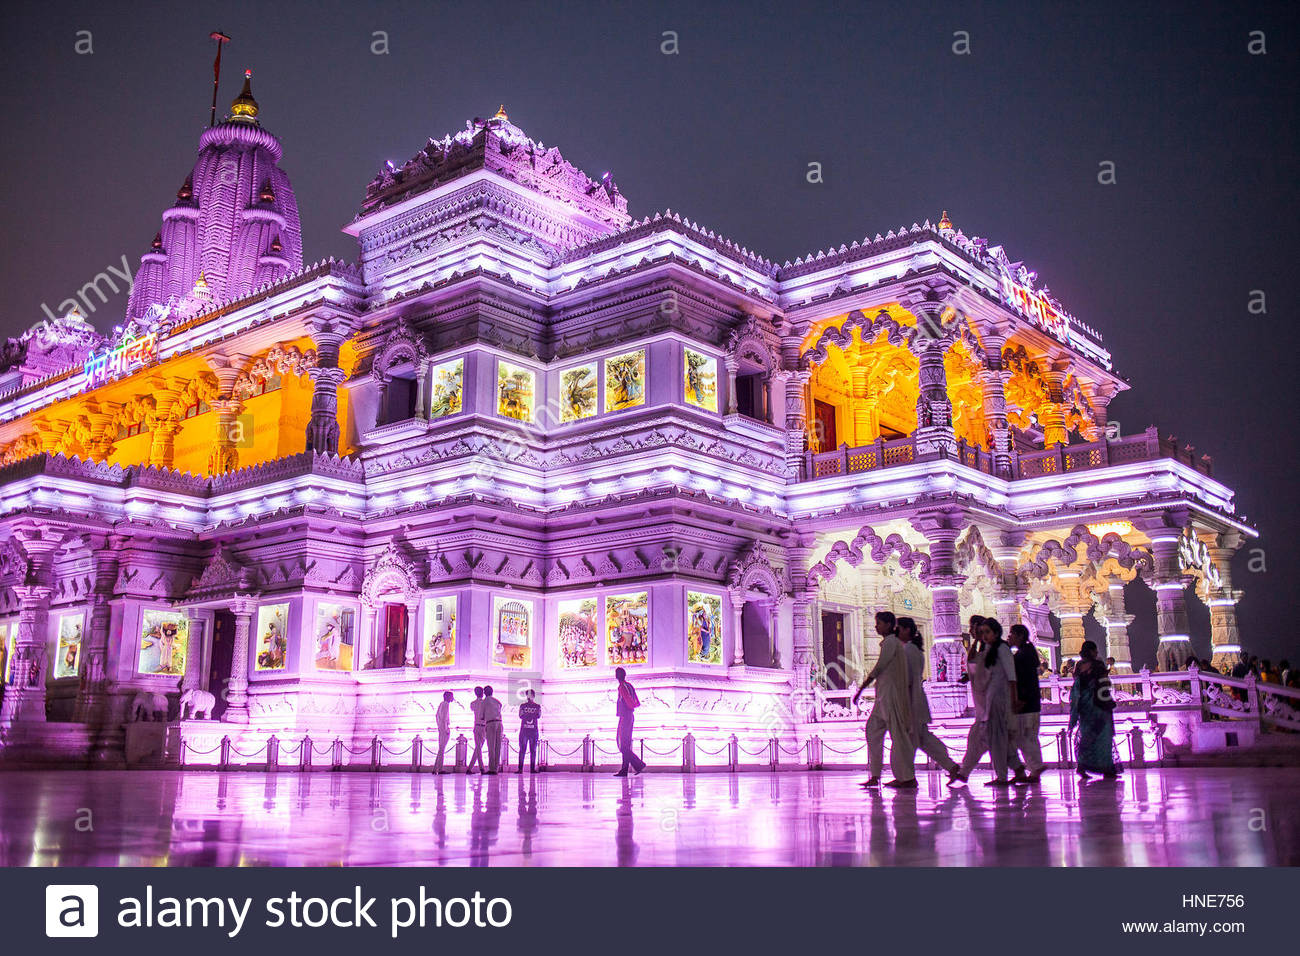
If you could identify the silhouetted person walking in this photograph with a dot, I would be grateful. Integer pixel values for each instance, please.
(892, 711)
(480, 730)
(444, 728)
(1024, 722)
(530, 713)
(625, 706)
(492, 729)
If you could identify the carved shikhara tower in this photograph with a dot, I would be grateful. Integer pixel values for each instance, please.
(527, 439)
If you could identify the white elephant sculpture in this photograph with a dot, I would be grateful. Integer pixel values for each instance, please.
(145, 706)
(197, 704)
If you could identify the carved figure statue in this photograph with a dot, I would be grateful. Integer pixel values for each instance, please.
(197, 704)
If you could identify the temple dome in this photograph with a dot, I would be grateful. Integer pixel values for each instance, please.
(235, 222)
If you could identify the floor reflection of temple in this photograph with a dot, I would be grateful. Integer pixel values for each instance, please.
(1203, 817)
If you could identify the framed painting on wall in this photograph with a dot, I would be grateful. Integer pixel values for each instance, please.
(703, 628)
(272, 637)
(578, 392)
(68, 656)
(512, 621)
(516, 388)
(627, 629)
(335, 637)
(625, 380)
(439, 646)
(576, 633)
(164, 636)
(701, 381)
(446, 388)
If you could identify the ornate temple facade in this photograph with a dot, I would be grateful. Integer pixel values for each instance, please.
(525, 439)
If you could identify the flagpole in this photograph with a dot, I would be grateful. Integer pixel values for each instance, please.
(222, 40)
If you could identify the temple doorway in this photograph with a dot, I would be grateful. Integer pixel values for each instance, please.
(825, 425)
(394, 654)
(223, 647)
(833, 663)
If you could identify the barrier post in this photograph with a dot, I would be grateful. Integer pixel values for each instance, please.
(543, 755)
(376, 750)
(224, 762)
(462, 754)
(304, 756)
(774, 753)
(417, 753)
(733, 754)
(588, 754)
(273, 753)
(180, 759)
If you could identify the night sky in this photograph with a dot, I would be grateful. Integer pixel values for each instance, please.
(1008, 139)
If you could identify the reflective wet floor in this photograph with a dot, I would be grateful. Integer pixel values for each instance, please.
(1182, 817)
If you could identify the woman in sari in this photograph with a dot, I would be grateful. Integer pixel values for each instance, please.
(1091, 707)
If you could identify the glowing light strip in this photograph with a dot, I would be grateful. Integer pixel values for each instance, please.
(1175, 637)
(1170, 586)
(1222, 602)
(1226, 649)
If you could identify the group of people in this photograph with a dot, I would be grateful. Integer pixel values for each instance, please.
(486, 708)
(1004, 684)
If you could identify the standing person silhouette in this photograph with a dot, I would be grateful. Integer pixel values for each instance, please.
(492, 730)
(480, 730)
(444, 728)
(626, 703)
(892, 711)
(529, 713)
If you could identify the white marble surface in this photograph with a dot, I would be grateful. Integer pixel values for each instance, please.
(1183, 817)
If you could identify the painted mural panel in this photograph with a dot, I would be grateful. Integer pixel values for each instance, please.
(68, 655)
(703, 628)
(440, 631)
(445, 392)
(627, 629)
(516, 391)
(512, 629)
(701, 381)
(8, 631)
(164, 637)
(625, 380)
(335, 637)
(272, 637)
(579, 622)
(578, 393)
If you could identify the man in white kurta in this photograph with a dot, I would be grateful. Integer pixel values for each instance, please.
(930, 745)
(892, 712)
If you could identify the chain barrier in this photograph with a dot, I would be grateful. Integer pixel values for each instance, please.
(565, 753)
(711, 753)
(235, 750)
(190, 748)
(665, 753)
(844, 753)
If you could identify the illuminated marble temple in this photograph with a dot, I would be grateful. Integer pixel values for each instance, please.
(526, 438)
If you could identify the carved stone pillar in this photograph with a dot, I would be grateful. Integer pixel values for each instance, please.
(796, 421)
(941, 530)
(103, 432)
(799, 558)
(92, 693)
(1100, 401)
(1117, 622)
(193, 679)
(860, 402)
(163, 425)
(237, 687)
(1225, 639)
(1171, 600)
(1074, 606)
(225, 457)
(732, 365)
(933, 408)
(24, 698)
(414, 652)
(1051, 414)
(993, 392)
(737, 628)
(329, 333)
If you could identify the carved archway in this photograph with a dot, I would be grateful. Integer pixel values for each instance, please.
(868, 543)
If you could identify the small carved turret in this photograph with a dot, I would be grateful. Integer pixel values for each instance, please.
(186, 192)
(244, 108)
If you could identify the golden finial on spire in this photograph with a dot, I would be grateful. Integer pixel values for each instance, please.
(501, 113)
(945, 222)
(244, 107)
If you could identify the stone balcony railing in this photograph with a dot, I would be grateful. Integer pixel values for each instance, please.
(1146, 446)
